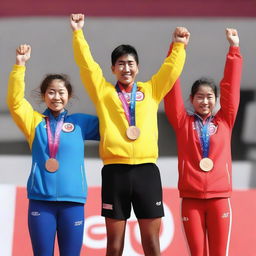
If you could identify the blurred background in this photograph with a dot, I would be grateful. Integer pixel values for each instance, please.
(148, 26)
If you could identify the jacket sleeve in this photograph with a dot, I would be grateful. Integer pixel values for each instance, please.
(89, 125)
(90, 72)
(230, 86)
(21, 110)
(174, 106)
(92, 128)
(171, 69)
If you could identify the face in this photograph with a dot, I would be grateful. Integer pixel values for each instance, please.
(56, 96)
(125, 69)
(204, 100)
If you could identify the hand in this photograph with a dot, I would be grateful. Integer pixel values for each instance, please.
(181, 35)
(23, 53)
(77, 21)
(232, 36)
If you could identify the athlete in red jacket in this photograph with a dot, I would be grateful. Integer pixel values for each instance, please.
(204, 155)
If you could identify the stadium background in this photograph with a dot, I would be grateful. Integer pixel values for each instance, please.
(146, 24)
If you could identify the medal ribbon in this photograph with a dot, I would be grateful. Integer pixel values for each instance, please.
(54, 141)
(204, 135)
(129, 110)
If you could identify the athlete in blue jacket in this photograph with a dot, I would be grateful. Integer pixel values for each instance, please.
(56, 187)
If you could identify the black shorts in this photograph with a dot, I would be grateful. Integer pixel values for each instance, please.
(138, 185)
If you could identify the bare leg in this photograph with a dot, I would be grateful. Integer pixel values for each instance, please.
(115, 236)
(149, 229)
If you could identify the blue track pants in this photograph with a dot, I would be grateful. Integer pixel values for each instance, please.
(46, 218)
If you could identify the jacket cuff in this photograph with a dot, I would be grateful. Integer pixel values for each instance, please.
(78, 32)
(234, 49)
(19, 67)
(179, 45)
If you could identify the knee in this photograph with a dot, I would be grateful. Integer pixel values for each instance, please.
(114, 249)
(151, 246)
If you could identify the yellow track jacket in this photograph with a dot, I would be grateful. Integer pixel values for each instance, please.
(115, 147)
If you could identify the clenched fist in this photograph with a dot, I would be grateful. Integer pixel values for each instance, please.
(232, 36)
(181, 35)
(77, 21)
(23, 53)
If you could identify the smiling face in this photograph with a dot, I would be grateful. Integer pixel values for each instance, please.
(204, 100)
(56, 96)
(125, 69)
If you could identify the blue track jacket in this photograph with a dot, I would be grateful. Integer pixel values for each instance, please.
(68, 183)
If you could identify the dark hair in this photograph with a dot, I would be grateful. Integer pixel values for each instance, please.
(121, 50)
(50, 77)
(203, 81)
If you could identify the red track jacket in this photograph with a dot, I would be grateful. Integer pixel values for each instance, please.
(193, 182)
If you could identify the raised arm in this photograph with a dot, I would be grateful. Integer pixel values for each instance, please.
(21, 110)
(230, 84)
(174, 106)
(171, 69)
(90, 72)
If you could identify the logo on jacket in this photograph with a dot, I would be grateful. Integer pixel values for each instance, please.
(139, 96)
(68, 127)
(212, 128)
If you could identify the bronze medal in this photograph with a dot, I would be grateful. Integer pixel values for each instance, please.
(133, 132)
(206, 164)
(52, 165)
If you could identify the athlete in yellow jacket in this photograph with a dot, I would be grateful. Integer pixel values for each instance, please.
(129, 175)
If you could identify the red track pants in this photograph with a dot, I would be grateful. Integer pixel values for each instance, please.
(207, 221)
